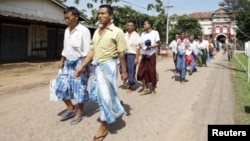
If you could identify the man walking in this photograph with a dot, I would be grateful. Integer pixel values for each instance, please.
(76, 46)
(173, 45)
(203, 47)
(182, 45)
(193, 49)
(132, 54)
(229, 48)
(150, 40)
(108, 44)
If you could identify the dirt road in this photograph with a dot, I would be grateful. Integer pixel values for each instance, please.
(178, 112)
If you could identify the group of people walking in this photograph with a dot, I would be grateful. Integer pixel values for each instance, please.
(109, 53)
(191, 51)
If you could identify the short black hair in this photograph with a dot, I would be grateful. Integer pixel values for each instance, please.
(110, 9)
(149, 22)
(73, 10)
(131, 21)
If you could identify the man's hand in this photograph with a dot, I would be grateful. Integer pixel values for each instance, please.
(175, 57)
(124, 76)
(136, 61)
(78, 72)
(60, 65)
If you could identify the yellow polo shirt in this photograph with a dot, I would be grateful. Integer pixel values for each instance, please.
(109, 44)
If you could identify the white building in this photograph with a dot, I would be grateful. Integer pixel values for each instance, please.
(216, 25)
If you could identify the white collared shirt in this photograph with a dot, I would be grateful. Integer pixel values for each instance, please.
(76, 42)
(182, 45)
(192, 46)
(203, 44)
(173, 45)
(133, 41)
(154, 37)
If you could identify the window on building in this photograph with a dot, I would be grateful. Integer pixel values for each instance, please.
(224, 29)
(217, 29)
(209, 30)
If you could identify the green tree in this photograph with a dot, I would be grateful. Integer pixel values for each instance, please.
(160, 20)
(240, 13)
(187, 24)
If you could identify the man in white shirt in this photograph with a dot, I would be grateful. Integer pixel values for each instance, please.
(76, 46)
(182, 45)
(150, 41)
(192, 50)
(203, 46)
(173, 45)
(132, 54)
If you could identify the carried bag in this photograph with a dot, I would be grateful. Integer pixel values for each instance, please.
(189, 59)
(52, 89)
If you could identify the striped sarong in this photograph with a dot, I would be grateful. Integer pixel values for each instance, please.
(103, 90)
(68, 87)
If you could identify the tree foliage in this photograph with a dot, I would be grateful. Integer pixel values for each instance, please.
(160, 21)
(186, 24)
(240, 10)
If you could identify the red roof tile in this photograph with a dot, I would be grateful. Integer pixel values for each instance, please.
(201, 15)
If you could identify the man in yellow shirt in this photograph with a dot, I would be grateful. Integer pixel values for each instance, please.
(108, 44)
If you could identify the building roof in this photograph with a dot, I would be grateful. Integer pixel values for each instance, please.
(29, 17)
(222, 12)
(8, 14)
(82, 18)
(201, 15)
(174, 16)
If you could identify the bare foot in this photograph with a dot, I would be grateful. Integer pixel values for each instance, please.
(129, 90)
(153, 93)
(102, 132)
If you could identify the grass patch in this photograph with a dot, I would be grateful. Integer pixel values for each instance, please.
(241, 89)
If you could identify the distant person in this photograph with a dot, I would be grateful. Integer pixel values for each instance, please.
(192, 50)
(76, 46)
(229, 49)
(107, 46)
(182, 45)
(173, 45)
(150, 41)
(203, 47)
(132, 54)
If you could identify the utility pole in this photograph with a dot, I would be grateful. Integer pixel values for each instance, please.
(167, 8)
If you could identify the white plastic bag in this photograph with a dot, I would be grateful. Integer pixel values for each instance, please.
(52, 89)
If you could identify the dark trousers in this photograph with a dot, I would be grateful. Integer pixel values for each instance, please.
(131, 68)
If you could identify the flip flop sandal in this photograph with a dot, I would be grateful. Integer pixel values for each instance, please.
(67, 116)
(100, 138)
(145, 93)
(75, 121)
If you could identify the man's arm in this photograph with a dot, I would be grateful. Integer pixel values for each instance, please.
(124, 74)
(122, 61)
(61, 64)
(86, 61)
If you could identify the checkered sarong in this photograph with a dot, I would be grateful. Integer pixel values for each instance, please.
(68, 87)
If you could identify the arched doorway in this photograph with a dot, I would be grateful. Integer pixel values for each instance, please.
(221, 38)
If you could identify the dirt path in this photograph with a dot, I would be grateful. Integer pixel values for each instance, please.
(178, 112)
